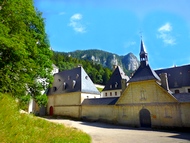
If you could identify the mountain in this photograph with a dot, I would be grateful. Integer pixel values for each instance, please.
(128, 62)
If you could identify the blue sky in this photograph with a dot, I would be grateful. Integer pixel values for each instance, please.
(116, 26)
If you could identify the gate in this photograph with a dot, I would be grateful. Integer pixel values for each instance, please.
(145, 119)
(51, 111)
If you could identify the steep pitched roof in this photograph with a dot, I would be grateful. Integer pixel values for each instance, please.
(75, 80)
(115, 79)
(100, 101)
(144, 73)
(177, 76)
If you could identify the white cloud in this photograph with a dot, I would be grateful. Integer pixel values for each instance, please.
(75, 23)
(164, 33)
(76, 16)
(165, 28)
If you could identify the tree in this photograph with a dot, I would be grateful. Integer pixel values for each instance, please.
(25, 55)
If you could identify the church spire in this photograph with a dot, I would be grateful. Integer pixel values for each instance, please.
(143, 55)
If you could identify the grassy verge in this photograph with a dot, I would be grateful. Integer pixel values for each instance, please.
(16, 127)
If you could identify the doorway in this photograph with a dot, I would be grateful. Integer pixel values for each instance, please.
(51, 111)
(145, 119)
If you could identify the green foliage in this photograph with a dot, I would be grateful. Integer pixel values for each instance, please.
(24, 101)
(99, 89)
(16, 127)
(96, 72)
(41, 100)
(24, 48)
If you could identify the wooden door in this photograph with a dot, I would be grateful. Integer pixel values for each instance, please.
(145, 119)
(51, 111)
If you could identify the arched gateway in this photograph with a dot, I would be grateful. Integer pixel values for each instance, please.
(145, 119)
(51, 111)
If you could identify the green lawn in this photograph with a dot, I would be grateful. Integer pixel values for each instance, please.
(23, 128)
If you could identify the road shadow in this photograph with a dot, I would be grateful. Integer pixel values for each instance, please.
(185, 135)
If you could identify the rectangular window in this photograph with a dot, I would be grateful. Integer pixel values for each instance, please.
(110, 93)
(115, 93)
(177, 91)
(188, 90)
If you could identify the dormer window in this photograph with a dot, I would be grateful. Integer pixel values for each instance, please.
(64, 85)
(175, 84)
(110, 86)
(116, 84)
(74, 83)
(69, 77)
(77, 76)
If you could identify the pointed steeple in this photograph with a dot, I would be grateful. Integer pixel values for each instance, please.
(143, 55)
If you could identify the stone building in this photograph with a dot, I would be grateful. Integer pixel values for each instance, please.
(117, 81)
(69, 89)
(146, 101)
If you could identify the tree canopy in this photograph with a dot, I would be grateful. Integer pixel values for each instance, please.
(25, 55)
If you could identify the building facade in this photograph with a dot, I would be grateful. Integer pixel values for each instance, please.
(146, 101)
(69, 89)
(117, 81)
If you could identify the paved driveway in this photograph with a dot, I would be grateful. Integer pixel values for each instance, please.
(106, 133)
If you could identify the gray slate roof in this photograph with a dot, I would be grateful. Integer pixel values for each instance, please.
(144, 73)
(74, 80)
(100, 101)
(177, 76)
(115, 79)
(182, 97)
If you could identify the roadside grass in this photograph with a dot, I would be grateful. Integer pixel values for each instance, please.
(23, 128)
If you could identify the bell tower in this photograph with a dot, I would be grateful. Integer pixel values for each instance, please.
(143, 55)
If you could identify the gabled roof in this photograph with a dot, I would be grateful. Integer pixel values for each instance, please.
(182, 97)
(115, 79)
(74, 80)
(177, 76)
(100, 101)
(144, 73)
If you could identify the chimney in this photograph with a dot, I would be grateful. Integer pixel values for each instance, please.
(164, 81)
(123, 84)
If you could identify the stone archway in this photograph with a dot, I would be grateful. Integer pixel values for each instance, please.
(145, 119)
(51, 111)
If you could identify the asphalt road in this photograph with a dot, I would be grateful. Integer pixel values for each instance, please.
(106, 133)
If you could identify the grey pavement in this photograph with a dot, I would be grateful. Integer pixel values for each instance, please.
(107, 133)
